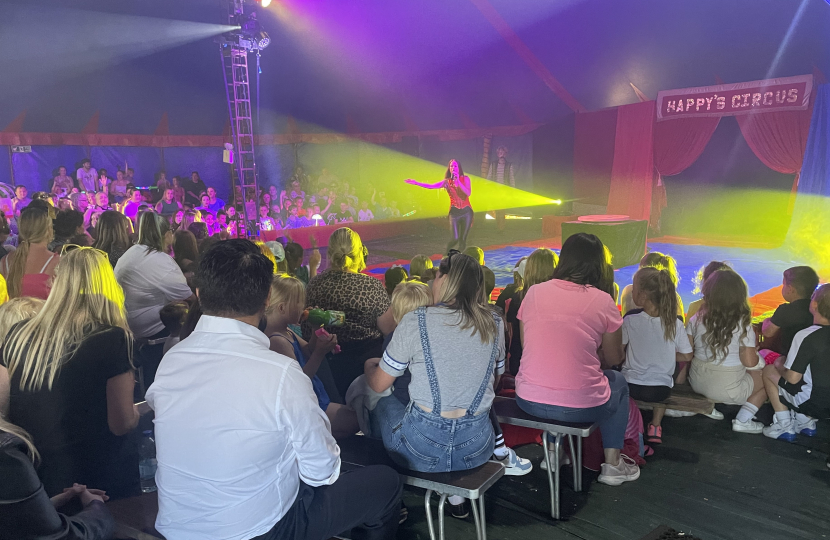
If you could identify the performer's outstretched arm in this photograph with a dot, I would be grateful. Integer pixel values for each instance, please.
(436, 185)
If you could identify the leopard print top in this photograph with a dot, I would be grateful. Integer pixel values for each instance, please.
(362, 298)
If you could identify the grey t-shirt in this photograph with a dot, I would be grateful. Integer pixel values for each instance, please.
(460, 358)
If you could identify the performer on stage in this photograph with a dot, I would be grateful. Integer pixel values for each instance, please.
(461, 213)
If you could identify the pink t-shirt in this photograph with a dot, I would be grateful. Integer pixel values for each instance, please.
(563, 327)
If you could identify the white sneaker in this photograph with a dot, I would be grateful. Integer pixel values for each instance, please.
(714, 415)
(674, 413)
(807, 428)
(564, 460)
(777, 430)
(747, 427)
(513, 464)
(625, 471)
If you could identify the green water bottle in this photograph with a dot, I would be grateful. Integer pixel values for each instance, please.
(321, 317)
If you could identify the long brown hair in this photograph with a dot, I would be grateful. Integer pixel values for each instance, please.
(112, 232)
(658, 286)
(35, 227)
(725, 310)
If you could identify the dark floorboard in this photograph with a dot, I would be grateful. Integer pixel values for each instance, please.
(704, 480)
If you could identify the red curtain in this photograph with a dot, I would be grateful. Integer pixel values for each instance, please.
(633, 171)
(594, 134)
(778, 138)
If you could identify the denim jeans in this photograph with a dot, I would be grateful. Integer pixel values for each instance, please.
(426, 442)
(612, 416)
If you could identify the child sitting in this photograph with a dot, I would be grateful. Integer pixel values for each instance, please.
(285, 308)
(418, 265)
(393, 277)
(799, 388)
(799, 284)
(657, 260)
(654, 339)
(701, 277)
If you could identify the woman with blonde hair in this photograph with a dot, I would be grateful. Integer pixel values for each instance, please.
(113, 235)
(29, 269)
(418, 265)
(16, 310)
(151, 279)
(362, 298)
(66, 377)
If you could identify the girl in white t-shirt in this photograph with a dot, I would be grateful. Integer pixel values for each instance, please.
(654, 341)
(726, 367)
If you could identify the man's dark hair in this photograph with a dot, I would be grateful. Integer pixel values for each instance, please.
(18, 186)
(234, 279)
(67, 223)
(803, 279)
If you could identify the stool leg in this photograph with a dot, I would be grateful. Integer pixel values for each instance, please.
(483, 518)
(579, 459)
(441, 502)
(477, 519)
(554, 495)
(575, 463)
(428, 509)
(557, 445)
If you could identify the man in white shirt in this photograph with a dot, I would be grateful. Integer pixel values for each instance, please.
(244, 451)
(86, 176)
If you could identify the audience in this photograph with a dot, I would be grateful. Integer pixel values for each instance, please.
(29, 269)
(571, 330)
(392, 277)
(66, 377)
(724, 347)
(150, 279)
(113, 235)
(251, 454)
(361, 297)
(294, 262)
(476, 253)
(186, 252)
(657, 260)
(701, 277)
(655, 340)
(418, 265)
(799, 284)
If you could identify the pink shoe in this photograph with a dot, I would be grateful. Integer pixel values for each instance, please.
(655, 434)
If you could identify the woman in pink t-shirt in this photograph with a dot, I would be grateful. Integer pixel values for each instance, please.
(570, 328)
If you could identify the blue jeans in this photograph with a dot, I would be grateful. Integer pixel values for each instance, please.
(426, 442)
(612, 416)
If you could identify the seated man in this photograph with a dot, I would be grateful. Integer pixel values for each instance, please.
(799, 389)
(794, 316)
(244, 451)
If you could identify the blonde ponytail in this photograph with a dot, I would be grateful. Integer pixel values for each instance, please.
(35, 227)
(345, 250)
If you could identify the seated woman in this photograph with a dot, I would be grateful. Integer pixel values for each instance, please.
(570, 329)
(655, 340)
(26, 510)
(418, 266)
(657, 260)
(66, 377)
(455, 353)
(29, 270)
(724, 347)
(362, 298)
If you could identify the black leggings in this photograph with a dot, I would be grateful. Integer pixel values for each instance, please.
(649, 394)
(461, 219)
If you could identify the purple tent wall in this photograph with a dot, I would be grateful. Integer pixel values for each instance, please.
(275, 163)
(181, 161)
(5, 167)
(145, 161)
(36, 169)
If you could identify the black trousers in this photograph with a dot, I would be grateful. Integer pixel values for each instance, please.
(650, 394)
(348, 364)
(461, 219)
(367, 500)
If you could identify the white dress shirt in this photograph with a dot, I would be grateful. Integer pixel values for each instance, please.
(237, 428)
(150, 281)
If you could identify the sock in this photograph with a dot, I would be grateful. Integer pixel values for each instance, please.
(746, 413)
(802, 418)
(456, 499)
(500, 451)
(784, 418)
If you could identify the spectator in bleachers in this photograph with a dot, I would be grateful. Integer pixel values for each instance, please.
(393, 210)
(103, 182)
(382, 210)
(799, 284)
(343, 216)
(271, 453)
(293, 192)
(199, 230)
(178, 190)
(62, 184)
(214, 203)
(67, 224)
(204, 204)
(29, 270)
(130, 208)
(150, 279)
(294, 262)
(113, 235)
(365, 214)
(193, 189)
(80, 201)
(361, 297)
(21, 198)
(190, 216)
(295, 219)
(418, 265)
(571, 330)
(69, 380)
(274, 193)
(118, 188)
(130, 175)
(101, 202)
(266, 222)
(724, 347)
(476, 253)
(326, 178)
(210, 222)
(186, 252)
(162, 184)
(168, 206)
(298, 204)
(86, 176)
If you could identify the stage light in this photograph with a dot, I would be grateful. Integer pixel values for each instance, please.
(555, 201)
(266, 3)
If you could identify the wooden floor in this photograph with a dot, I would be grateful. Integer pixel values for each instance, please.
(704, 480)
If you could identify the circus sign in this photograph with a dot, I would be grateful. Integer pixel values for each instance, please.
(786, 94)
